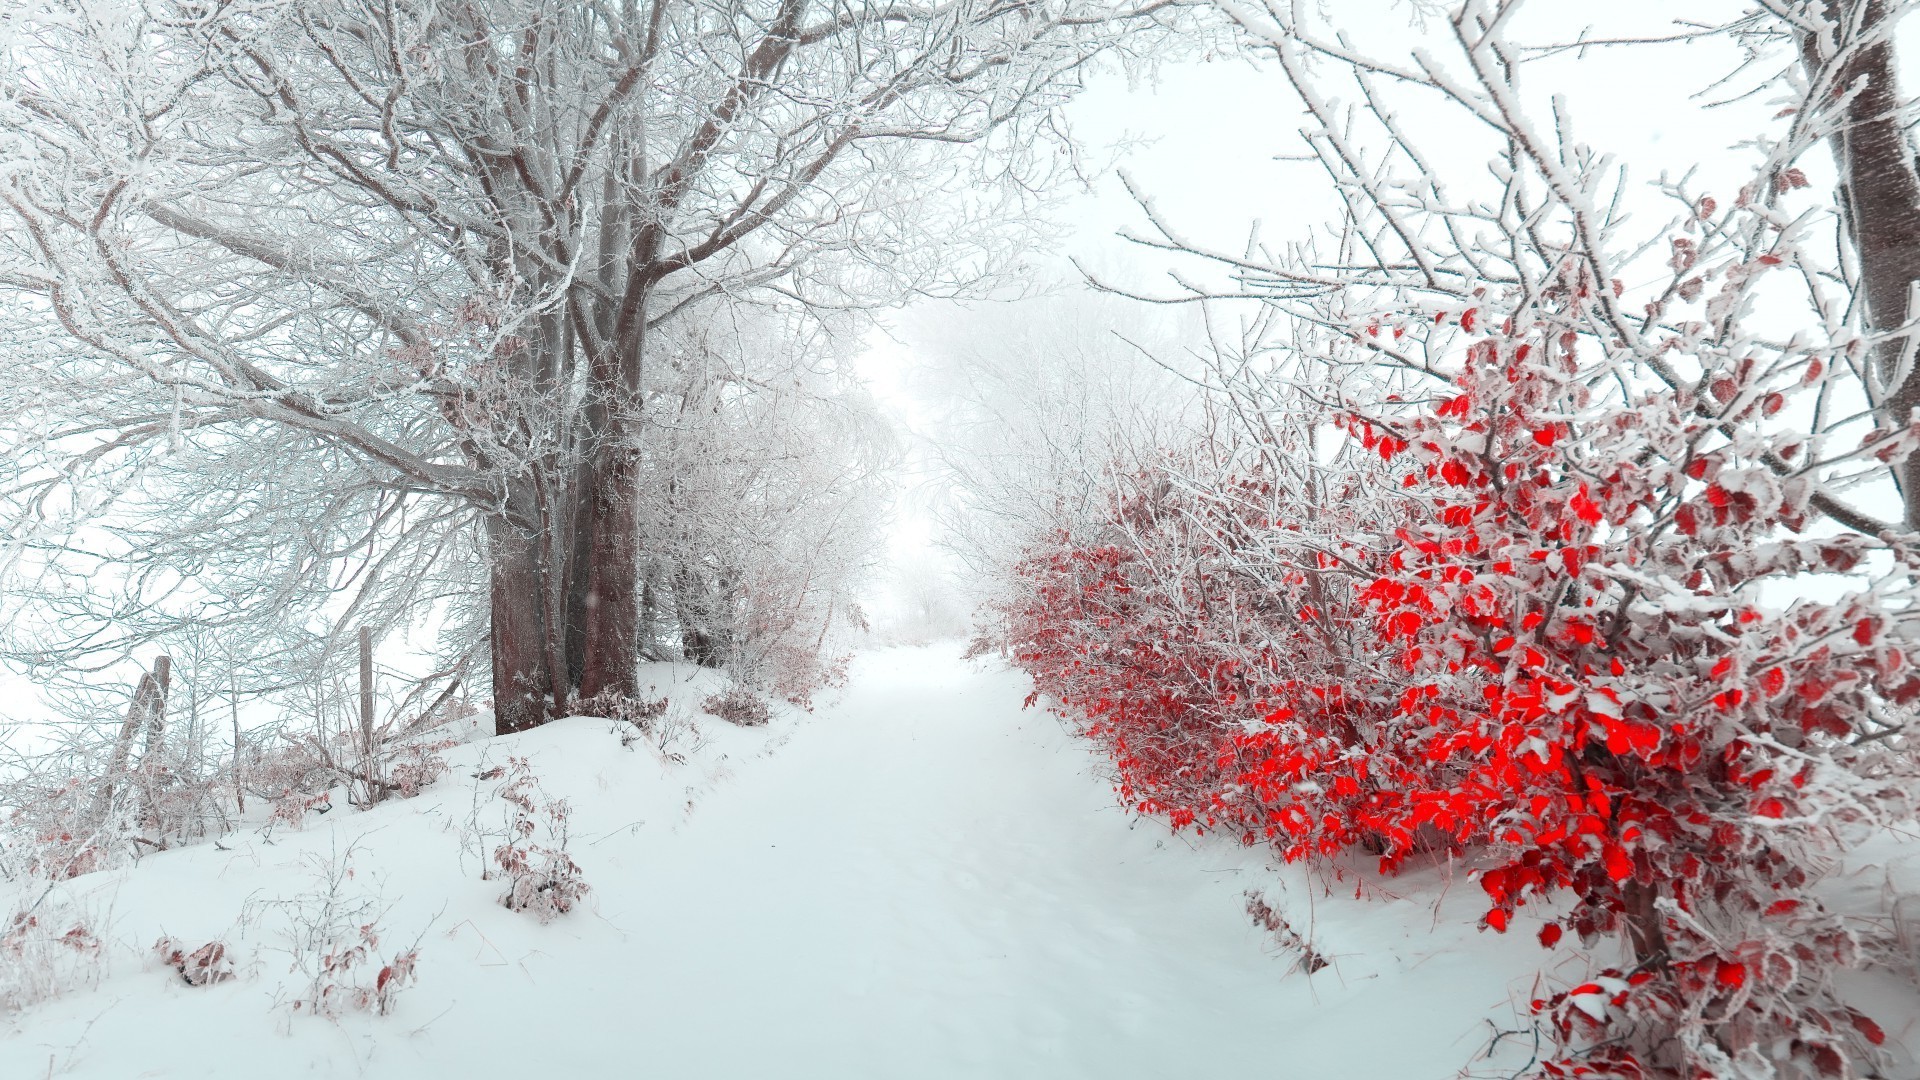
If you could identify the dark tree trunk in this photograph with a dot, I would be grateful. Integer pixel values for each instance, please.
(610, 666)
(579, 557)
(698, 608)
(609, 669)
(648, 645)
(522, 679)
(1646, 927)
(1880, 196)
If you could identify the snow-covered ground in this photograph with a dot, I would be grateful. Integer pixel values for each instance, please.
(918, 880)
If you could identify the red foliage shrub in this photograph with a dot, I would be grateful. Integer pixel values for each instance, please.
(1549, 647)
(541, 876)
(338, 984)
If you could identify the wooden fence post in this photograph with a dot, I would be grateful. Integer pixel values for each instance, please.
(157, 705)
(239, 781)
(366, 714)
(148, 709)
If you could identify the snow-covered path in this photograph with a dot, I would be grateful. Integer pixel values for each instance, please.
(920, 880)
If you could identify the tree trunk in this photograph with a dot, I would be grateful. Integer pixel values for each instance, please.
(610, 669)
(648, 645)
(1880, 196)
(1646, 927)
(609, 508)
(522, 681)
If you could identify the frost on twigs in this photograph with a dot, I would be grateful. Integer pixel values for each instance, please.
(1265, 916)
(45, 950)
(1526, 537)
(332, 935)
(533, 860)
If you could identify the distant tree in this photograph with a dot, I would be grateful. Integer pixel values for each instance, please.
(765, 488)
(1037, 397)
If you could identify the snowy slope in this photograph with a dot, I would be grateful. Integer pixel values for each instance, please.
(921, 880)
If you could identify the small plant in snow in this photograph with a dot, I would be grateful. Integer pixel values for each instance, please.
(334, 939)
(541, 876)
(44, 951)
(1265, 916)
(738, 705)
(414, 766)
(201, 966)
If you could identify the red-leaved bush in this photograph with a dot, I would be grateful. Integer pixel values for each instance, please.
(1534, 631)
(541, 876)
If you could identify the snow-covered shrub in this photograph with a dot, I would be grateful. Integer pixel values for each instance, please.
(289, 810)
(641, 712)
(333, 937)
(198, 966)
(297, 765)
(53, 831)
(739, 706)
(45, 950)
(1555, 653)
(541, 876)
(1622, 620)
(91, 803)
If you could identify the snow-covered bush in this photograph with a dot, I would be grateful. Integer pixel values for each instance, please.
(93, 801)
(541, 876)
(200, 965)
(46, 949)
(1609, 615)
(738, 706)
(1554, 653)
(332, 936)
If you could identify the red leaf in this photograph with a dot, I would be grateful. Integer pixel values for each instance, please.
(1619, 867)
(1867, 1027)
(1773, 681)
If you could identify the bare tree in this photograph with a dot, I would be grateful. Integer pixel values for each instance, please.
(410, 258)
(1035, 402)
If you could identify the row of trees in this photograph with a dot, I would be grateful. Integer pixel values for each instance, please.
(523, 316)
(1513, 530)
